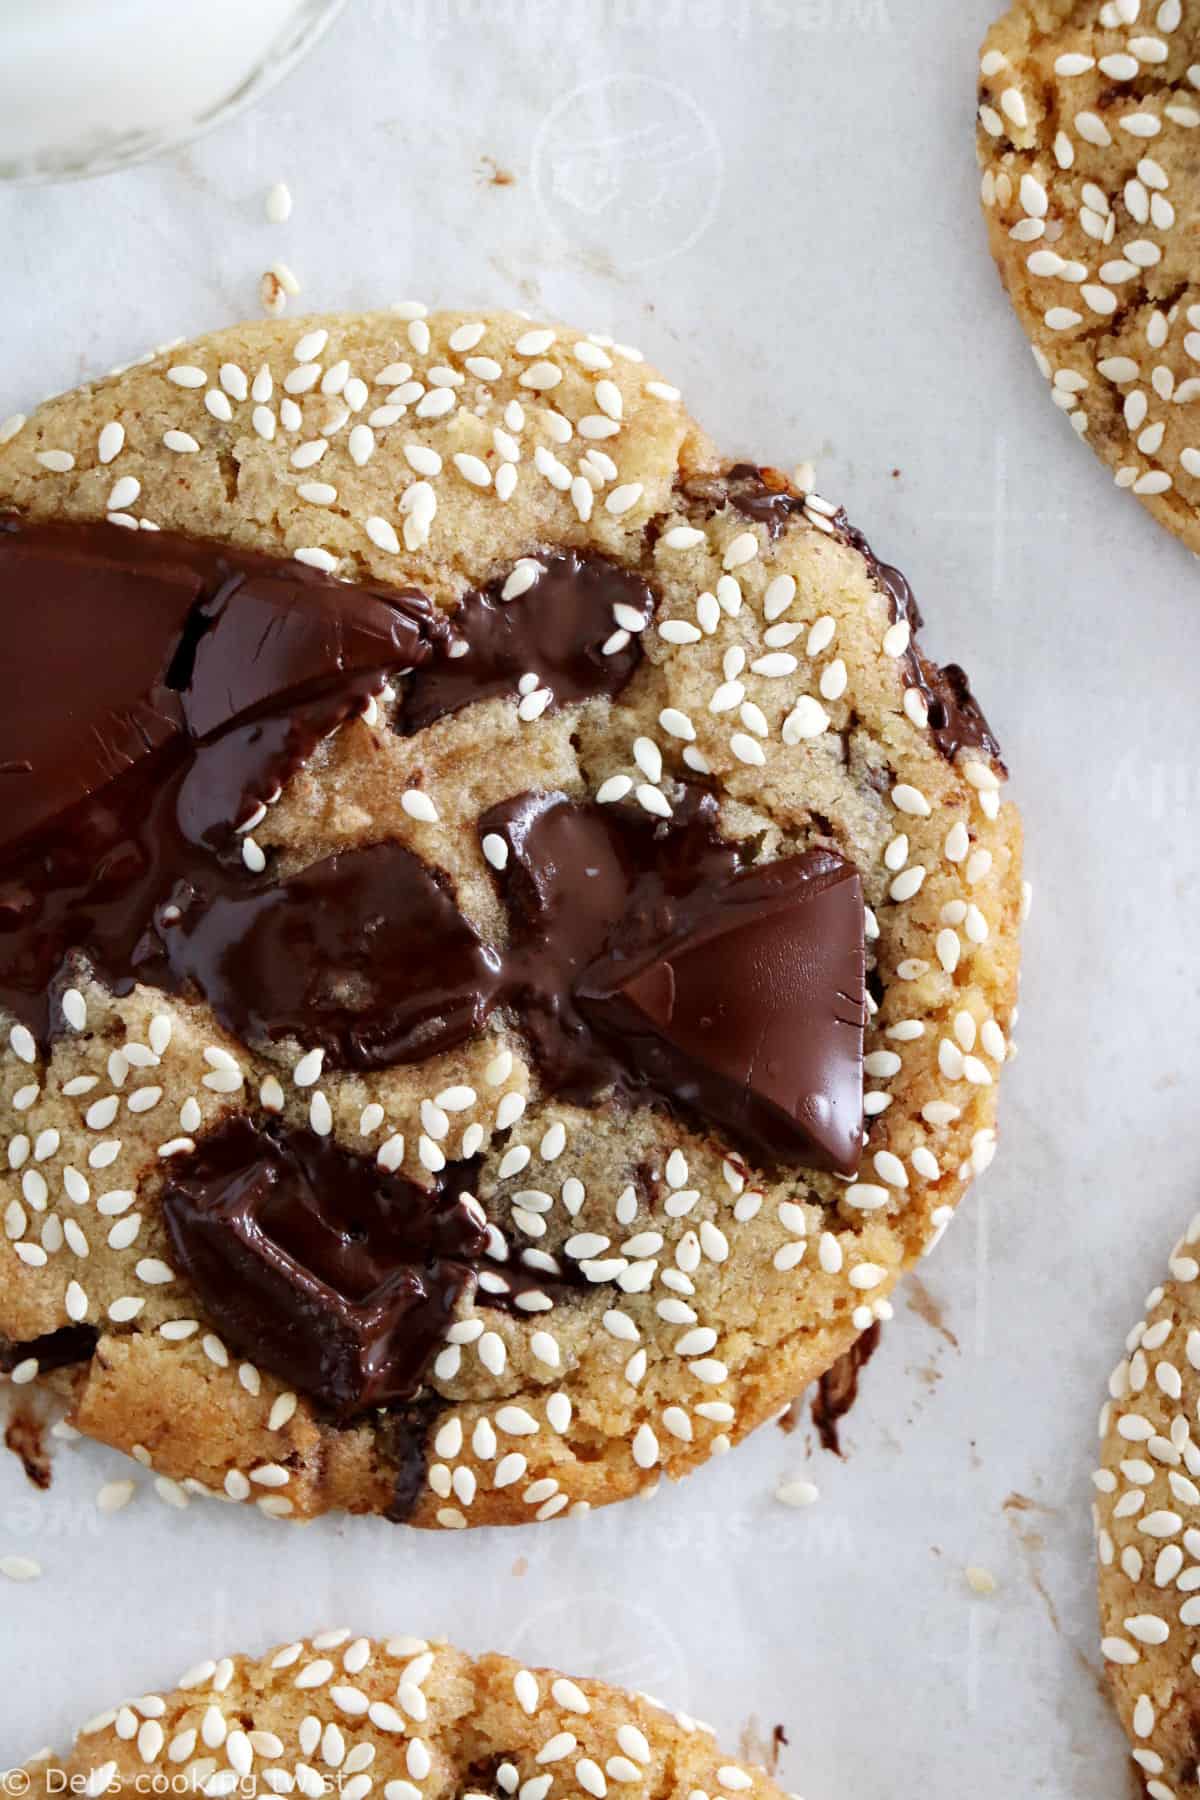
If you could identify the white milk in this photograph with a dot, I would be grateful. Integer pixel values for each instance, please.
(88, 84)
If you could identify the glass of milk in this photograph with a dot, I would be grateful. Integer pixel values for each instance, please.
(89, 85)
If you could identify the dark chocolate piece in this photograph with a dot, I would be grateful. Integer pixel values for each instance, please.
(646, 959)
(751, 1012)
(555, 630)
(334, 1274)
(337, 1276)
(159, 690)
(365, 955)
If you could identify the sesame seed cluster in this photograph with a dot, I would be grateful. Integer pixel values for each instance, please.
(403, 1719)
(1147, 1523)
(1088, 120)
(442, 452)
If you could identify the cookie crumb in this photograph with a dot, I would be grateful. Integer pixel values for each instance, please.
(980, 1581)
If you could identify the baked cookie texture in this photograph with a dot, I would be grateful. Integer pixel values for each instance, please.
(1147, 1521)
(441, 452)
(1088, 137)
(402, 1718)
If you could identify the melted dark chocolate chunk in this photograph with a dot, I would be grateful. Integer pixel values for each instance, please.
(338, 1277)
(575, 874)
(217, 675)
(645, 958)
(956, 720)
(365, 955)
(555, 630)
(761, 495)
(751, 1013)
(403, 1434)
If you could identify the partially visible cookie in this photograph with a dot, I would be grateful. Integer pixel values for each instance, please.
(1147, 1517)
(1087, 134)
(403, 1719)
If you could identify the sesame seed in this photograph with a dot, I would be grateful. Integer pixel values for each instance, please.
(22, 1568)
(622, 499)
(419, 806)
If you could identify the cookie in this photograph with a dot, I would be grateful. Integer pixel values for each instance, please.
(513, 945)
(402, 1718)
(1147, 1519)
(1088, 128)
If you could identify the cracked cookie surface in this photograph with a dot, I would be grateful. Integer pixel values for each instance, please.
(1089, 140)
(702, 1286)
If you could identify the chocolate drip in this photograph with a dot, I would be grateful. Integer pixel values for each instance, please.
(956, 720)
(761, 495)
(555, 630)
(837, 1389)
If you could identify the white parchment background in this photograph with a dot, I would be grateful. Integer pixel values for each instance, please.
(777, 200)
